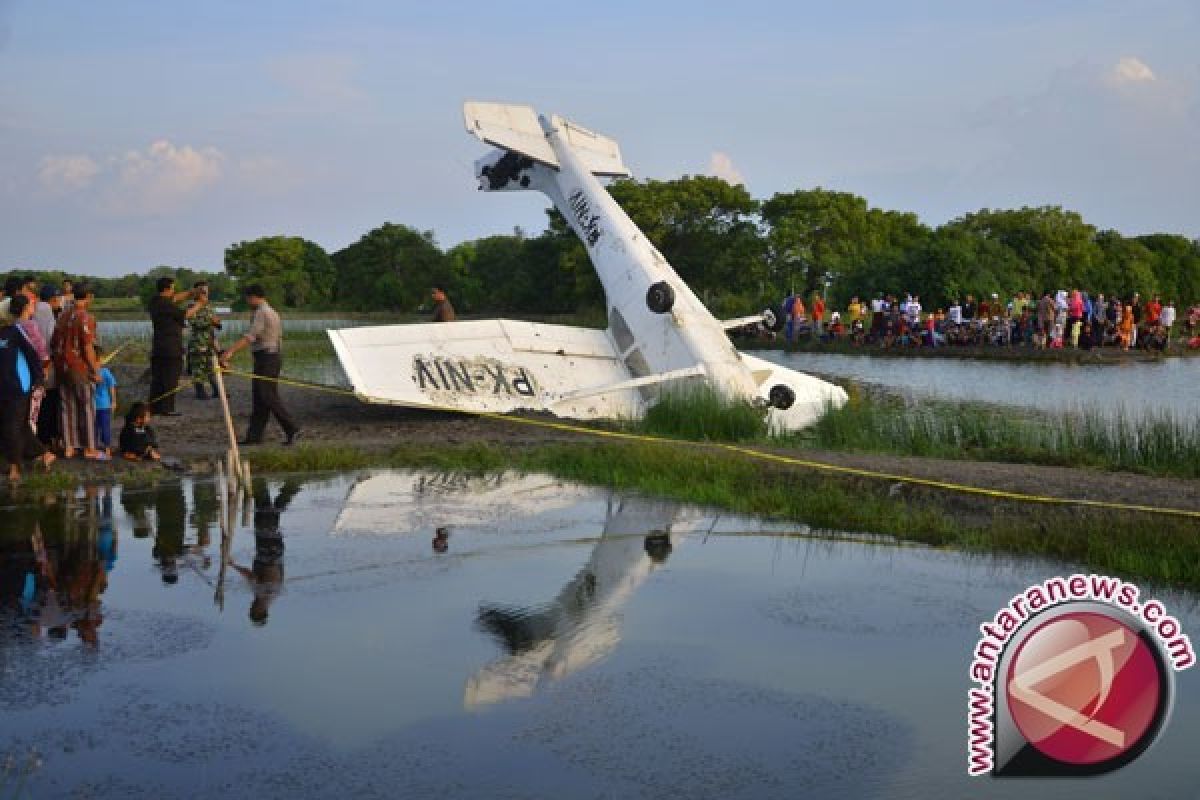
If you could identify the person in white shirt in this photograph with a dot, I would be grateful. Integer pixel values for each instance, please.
(914, 309)
(1166, 318)
(955, 314)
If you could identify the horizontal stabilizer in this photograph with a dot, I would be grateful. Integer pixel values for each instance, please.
(514, 128)
(517, 129)
(599, 154)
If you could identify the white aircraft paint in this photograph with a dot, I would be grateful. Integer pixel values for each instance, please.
(660, 336)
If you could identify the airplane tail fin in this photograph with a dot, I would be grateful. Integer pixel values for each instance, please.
(518, 129)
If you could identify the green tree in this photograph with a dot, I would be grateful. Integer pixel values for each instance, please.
(391, 267)
(813, 233)
(1176, 265)
(953, 262)
(1058, 248)
(1127, 266)
(295, 272)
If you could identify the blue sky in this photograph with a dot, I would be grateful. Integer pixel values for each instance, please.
(140, 133)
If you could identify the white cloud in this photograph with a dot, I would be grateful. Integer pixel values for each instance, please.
(1131, 70)
(161, 178)
(721, 166)
(67, 173)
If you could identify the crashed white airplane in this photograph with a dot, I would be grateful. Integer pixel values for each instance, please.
(659, 337)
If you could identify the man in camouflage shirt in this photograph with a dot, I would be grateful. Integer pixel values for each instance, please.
(203, 325)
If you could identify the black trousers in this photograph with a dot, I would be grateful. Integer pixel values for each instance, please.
(265, 398)
(48, 426)
(16, 435)
(164, 377)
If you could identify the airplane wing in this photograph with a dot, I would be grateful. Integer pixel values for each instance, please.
(399, 503)
(489, 366)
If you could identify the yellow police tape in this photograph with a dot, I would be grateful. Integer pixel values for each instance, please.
(998, 494)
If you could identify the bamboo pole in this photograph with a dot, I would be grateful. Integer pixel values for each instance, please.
(226, 539)
(235, 472)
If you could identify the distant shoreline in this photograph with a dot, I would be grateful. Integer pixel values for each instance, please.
(1105, 355)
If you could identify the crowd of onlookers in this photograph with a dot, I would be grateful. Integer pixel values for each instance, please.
(1053, 320)
(57, 397)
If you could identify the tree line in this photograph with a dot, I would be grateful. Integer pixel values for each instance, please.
(737, 252)
(140, 286)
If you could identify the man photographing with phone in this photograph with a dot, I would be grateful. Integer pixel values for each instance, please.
(166, 352)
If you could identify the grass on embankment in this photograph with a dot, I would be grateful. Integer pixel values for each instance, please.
(1151, 443)
(700, 414)
(1161, 549)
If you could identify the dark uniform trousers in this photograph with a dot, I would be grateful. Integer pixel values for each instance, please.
(265, 398)
(16, 436)
(164, 377)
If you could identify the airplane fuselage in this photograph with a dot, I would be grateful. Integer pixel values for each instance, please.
(660, 337)
(628, 264)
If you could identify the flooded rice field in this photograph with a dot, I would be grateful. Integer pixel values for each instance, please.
(1136, 386)
(232, 326)
(411, 634)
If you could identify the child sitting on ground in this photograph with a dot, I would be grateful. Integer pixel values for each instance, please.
(106, 401)
(138, 441)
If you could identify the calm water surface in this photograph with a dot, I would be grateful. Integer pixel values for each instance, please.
(118, 329)
(1172, 384)
(568, 642)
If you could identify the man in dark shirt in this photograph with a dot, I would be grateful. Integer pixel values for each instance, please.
(166, 352)
(442, 310)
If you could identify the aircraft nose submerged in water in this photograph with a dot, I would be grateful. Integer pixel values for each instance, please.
(660, 337)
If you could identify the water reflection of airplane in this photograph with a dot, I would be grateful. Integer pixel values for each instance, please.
(398, 502)
(582, 624)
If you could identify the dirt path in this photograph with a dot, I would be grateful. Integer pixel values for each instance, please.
(330, 419)
(1081, 484)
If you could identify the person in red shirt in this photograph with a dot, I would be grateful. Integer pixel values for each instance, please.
(1154, 311)
(77, 371)
(818, 314)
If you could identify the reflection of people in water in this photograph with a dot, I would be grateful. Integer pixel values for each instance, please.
(204, 510)
(136, 504)
(203, 516)
(106, 542)
(54, 564)
(22, 582)
(265, 576)
(170, 520)
(441, 540)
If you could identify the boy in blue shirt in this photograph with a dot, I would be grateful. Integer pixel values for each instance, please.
(106, 401)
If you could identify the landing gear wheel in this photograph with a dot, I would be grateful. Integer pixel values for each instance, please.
(660, 297)
(781, 397)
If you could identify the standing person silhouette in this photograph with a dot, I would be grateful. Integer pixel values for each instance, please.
(265, 575)
(265, 340)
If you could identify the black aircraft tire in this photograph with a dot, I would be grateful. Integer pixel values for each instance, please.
(781, 397)
(660, 297)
